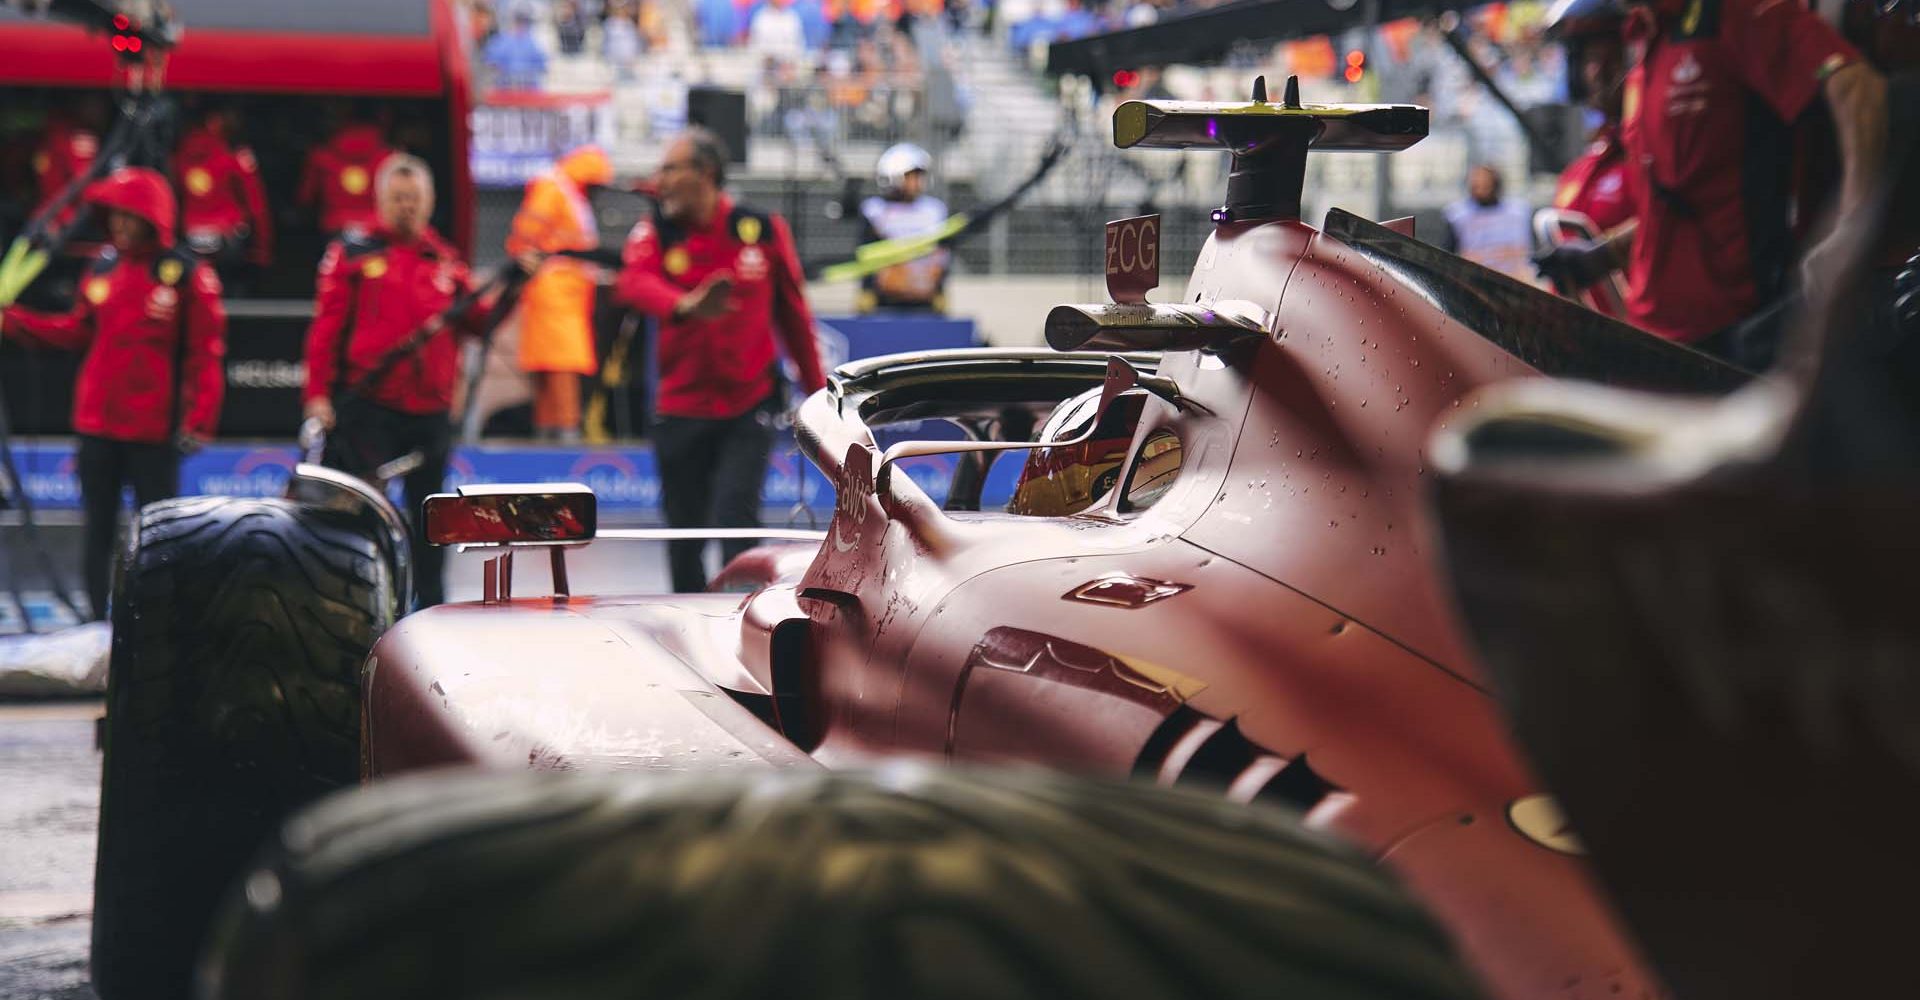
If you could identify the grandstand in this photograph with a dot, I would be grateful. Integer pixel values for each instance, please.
(978, 103)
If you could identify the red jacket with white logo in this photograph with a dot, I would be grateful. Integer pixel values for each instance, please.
(338, 178)
(722, 367)
(1595, 185)
(221, 194)
(152, 326)
(1705, 120)
(374, 292)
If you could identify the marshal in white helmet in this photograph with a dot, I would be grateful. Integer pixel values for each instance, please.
(904, 210)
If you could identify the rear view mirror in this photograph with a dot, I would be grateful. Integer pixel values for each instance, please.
(505, 514)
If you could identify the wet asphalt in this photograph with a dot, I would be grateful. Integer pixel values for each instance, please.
(50, 790)
(49, 807)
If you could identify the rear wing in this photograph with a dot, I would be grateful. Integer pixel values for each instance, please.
(1269, 141)
(1379, 128)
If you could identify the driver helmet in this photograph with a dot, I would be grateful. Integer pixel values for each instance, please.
(1574, 23)
(1065, 475)
(900, 159)
(1568, 19)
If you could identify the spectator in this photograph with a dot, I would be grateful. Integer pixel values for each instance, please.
(853, 24)
(1527, 83)
(650, 17)
(556, 310)
(721, 278)
(515, 57)
(570, 26)
(777, 32)
(813, 22)
(719, 22)
(1490, 230)
(482, 24)
(150, 320)
(620, 37)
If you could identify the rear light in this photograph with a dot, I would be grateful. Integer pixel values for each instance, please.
(506, 514)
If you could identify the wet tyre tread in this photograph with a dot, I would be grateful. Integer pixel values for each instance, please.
(239, 631)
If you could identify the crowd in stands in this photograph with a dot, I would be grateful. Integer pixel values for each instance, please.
(839, 67)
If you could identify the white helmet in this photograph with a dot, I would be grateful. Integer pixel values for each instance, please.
(900, 159)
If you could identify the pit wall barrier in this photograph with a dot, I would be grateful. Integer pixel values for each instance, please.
(625, 478)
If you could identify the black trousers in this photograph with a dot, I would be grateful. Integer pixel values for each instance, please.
(710, 476)
(106, 469)
(366, 436)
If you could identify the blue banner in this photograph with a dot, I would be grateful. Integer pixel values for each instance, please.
(625, 478)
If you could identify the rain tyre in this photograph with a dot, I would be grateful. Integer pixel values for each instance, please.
(240, 627)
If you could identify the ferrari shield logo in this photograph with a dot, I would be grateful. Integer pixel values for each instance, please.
(676, 261)
(199, 182)
(170, 271)
(353, 180)
(748, 230)
(97, 290)
(374, 268)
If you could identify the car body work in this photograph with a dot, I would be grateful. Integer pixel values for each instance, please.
(1268, 621)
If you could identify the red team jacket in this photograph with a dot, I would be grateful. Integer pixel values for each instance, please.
(722, 367)
(1704, 119)
(1595, 185)
(373, 293)
(338, 178)
(221, 194)
(66, 151)
(130, 318)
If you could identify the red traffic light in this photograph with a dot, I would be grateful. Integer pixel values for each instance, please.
(1125, 78)
(1356, 65)
(121, 22)
(119, 43)
(133, 43)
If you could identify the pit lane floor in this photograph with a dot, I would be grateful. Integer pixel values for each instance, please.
(49, 806)
(50, 790)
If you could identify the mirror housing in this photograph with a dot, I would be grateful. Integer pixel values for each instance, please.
(1118, 327)
(512, 514)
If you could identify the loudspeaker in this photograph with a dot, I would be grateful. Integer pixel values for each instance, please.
(724, 113)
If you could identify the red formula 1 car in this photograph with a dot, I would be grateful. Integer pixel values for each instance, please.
(1249, 603)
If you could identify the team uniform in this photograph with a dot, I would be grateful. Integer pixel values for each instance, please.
(1706, 112)
(717, 384)
(154, 333)
(337, 179)
(373, 293)
(223, 204)
(66, 151)
(1595, 184)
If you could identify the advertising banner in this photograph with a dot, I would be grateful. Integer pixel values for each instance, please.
(625, 478)
(518, 135)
